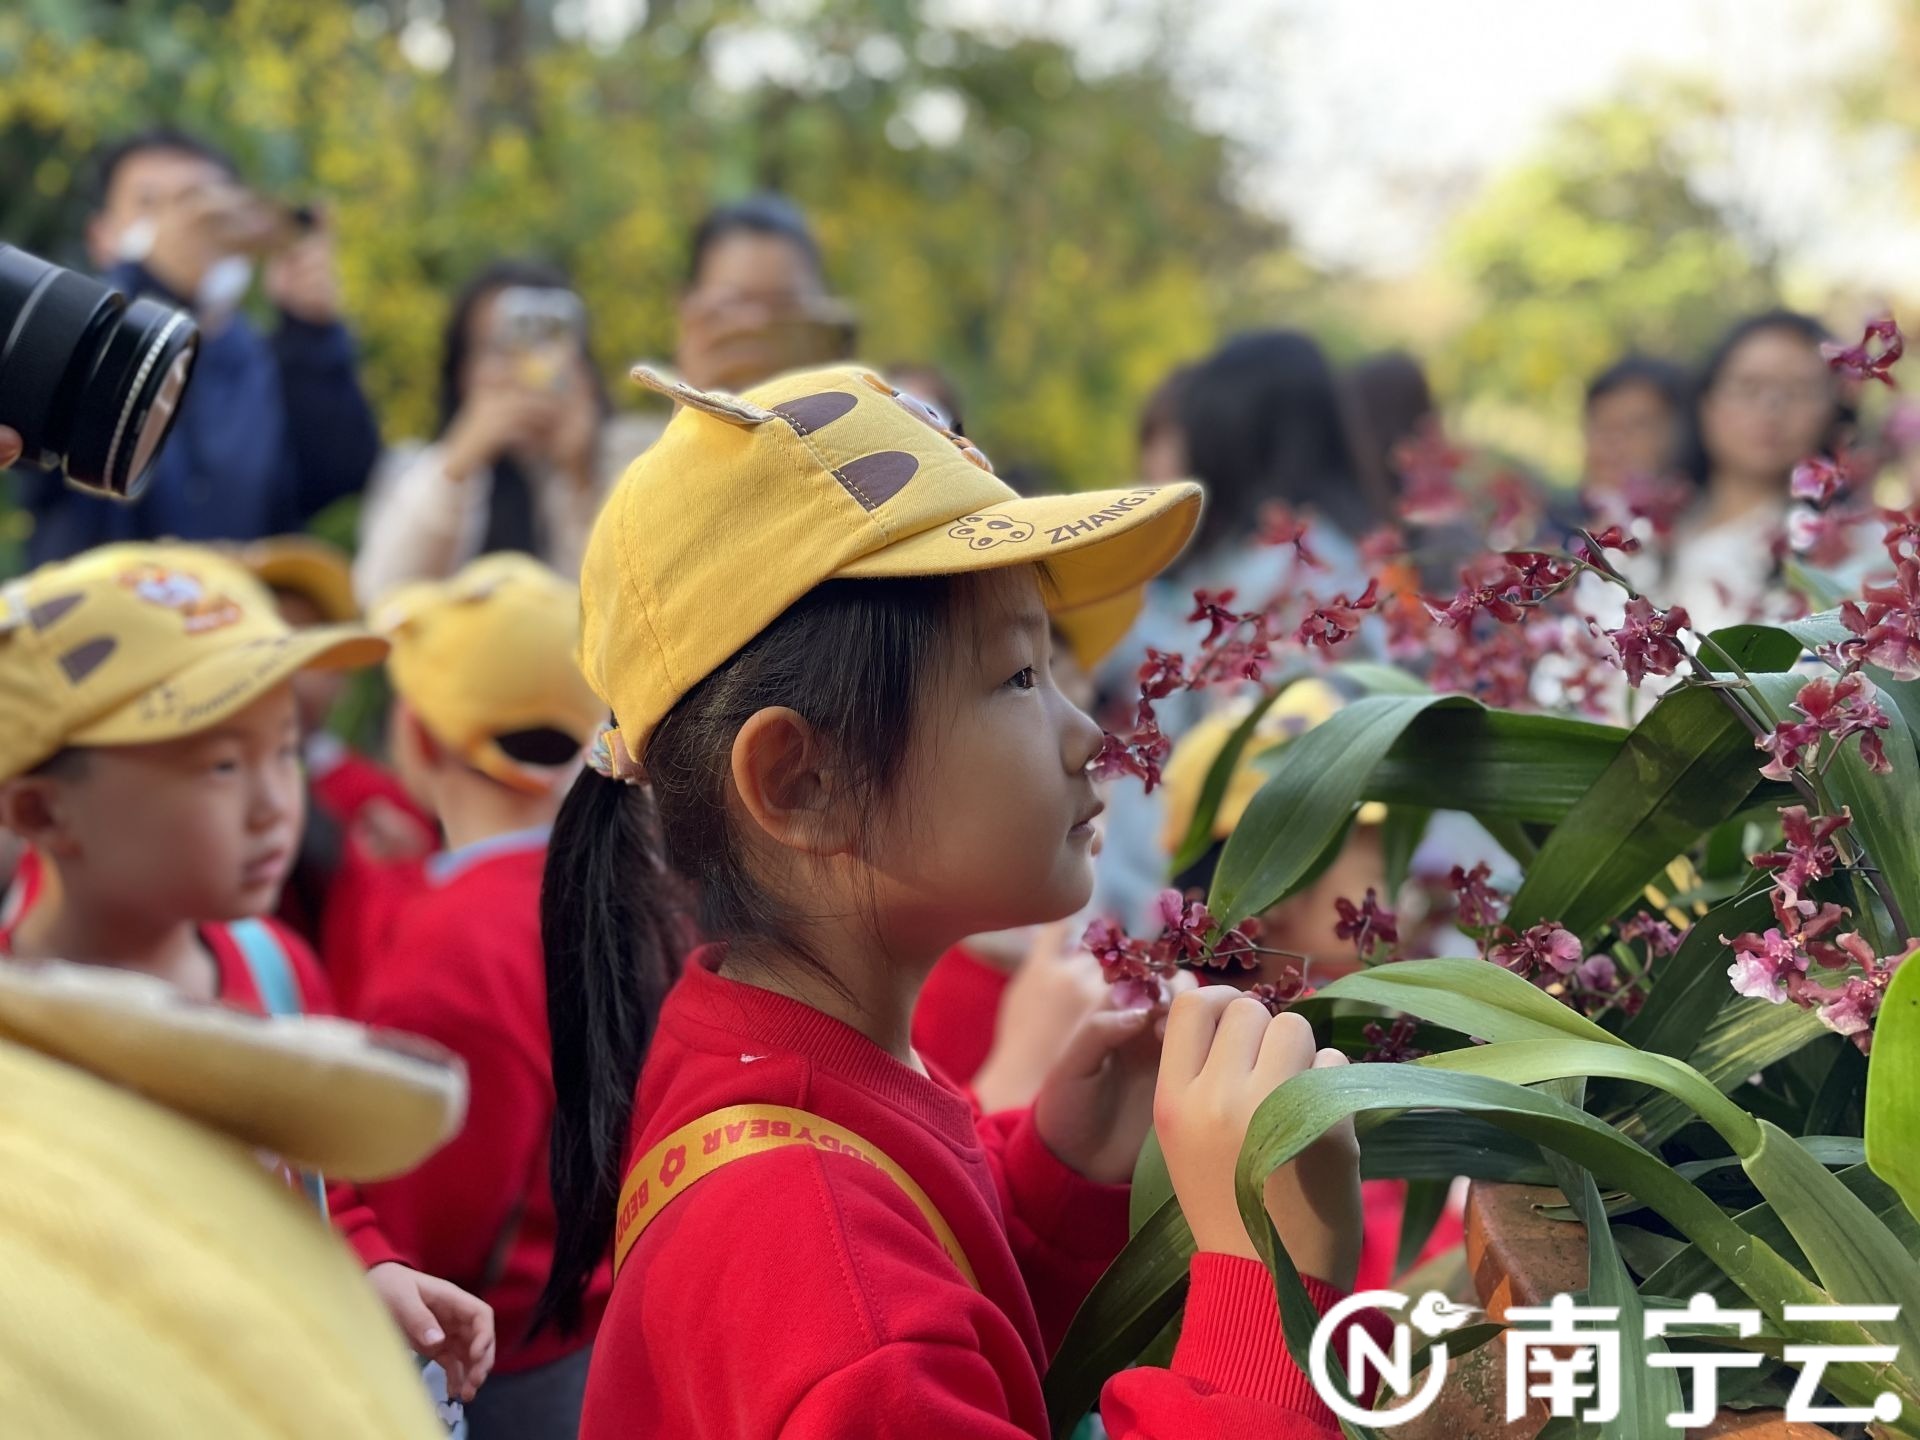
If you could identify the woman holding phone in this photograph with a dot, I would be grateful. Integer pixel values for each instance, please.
(528, 446)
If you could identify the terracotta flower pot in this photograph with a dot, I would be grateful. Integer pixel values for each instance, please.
(1520, 1257)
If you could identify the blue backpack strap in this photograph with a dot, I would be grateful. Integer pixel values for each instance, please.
(267, 962)
(272, 972)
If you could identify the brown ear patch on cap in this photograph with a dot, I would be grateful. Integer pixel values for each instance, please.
(875, 479)
(83, 660)
(815, 412)
(48, 611)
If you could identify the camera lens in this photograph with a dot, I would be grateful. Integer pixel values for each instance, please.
(91, 382)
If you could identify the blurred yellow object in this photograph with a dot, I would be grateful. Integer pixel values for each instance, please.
(309, 567)
(159, 1282)
(1091, 631)
(1300, 707)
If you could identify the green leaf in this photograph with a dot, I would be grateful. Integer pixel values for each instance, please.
(1893, 1087)
(1475, 997)
(1317, 783)
(1529, 1062)
(1152, 1185)
(1856, 1257)
(1749, 1036)
(1647, 1394)
(1430, 1145)
(1494, 763)
(1426, 1202)
(1690, 1272)
(1400, 836)
(1685, 768)
(1311, 1103)
(1128, 1306)
(1690, 986)
(1199, 837)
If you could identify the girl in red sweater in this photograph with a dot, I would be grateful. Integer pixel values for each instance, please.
(822, 626)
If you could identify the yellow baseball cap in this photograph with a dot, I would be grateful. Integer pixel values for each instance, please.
(308, 566)
(747, 503)
(1300, 707)
(1091, 631)
(135, 643)
(487, 653)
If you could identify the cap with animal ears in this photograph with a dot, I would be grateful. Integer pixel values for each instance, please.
(747, 502)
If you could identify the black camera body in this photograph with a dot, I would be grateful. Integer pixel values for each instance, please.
(90, 381)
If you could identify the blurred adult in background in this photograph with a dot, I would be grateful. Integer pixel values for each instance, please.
(1260, 421)
(756, 302)
(1632, 423)
(273, 429)
(1163, 444)
(1390, 400)
(1764, 401)
(525, 449)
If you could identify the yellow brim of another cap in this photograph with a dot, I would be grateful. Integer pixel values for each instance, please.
(1091, 631)
(1095, 544)
(324, 1093)
(226, 682)
(323, 579)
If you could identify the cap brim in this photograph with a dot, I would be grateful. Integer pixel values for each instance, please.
(1094, 544)
(323, 1093)
(323, 581)
(226, 682)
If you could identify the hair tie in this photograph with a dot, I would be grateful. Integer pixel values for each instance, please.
(608, 756)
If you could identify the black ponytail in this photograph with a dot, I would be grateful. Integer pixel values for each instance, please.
(614, 925)
(616, 916)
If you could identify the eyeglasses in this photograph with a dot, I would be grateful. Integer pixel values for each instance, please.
(1750, 392)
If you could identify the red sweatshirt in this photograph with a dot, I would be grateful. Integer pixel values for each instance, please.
(958, 1013)
(800, 1294)
(463, 966)
(350, 1213)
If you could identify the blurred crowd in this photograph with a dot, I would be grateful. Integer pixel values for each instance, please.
(399, 869)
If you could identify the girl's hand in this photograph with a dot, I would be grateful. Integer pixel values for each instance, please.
(442, 1322)
(1095, 1105)
(1056, 986)
(1224, 1055)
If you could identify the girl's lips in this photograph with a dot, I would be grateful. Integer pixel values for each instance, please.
(1084, 825)
(268, 868)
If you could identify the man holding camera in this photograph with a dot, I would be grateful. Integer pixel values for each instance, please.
(274, 429)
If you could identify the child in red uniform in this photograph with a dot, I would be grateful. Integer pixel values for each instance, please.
(149, 754)
(819, 622)
(490, 718)
(365, 837)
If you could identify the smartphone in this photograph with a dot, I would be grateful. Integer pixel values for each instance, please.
(541, 328)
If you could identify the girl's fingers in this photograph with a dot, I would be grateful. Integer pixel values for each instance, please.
(1191, 1022)
(1286, 1048)
(1237, 1041)
(1098, 1036)
(1332, 1059)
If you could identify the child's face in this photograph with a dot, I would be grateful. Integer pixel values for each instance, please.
(991, 825)
(203, 828)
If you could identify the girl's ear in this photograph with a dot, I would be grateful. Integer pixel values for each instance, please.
(785, 785)
(30, 806)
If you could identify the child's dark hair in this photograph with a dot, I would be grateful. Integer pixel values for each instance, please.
(616, 916)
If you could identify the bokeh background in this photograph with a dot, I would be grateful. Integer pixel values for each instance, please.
(1055, 200)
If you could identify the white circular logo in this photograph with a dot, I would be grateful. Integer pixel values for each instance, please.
(1433, 1315)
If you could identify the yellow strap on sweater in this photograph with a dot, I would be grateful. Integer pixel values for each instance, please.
(702, 1146)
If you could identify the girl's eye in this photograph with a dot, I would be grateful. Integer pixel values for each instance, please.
(1024, 679)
